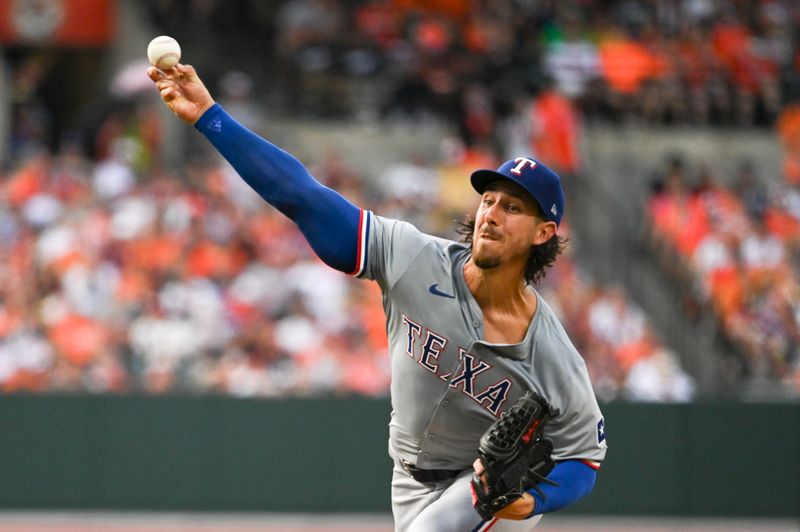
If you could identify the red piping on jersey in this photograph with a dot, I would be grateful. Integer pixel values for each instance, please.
(360, 237)
(494, 522)
(591, 464)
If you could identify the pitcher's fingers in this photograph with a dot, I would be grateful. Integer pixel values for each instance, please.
(187, 71)
(155, 74)
(169, 94)
(165, 83)
(172, 73)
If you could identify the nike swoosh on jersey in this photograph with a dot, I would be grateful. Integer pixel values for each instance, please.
(435, 291)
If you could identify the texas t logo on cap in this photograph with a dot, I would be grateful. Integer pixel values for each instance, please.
(522, 163)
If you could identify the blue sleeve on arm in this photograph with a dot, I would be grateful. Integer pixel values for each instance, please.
(575, 480)
(329, 222)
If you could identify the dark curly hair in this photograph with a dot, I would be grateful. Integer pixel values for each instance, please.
(541, 256)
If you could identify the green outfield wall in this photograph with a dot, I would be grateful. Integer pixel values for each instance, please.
(327, 455)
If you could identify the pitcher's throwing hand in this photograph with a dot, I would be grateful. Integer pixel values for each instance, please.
(182, 91)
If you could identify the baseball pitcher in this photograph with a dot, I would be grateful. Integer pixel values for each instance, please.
(494, 421)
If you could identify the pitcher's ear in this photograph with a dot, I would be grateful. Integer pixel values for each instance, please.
(544, 232)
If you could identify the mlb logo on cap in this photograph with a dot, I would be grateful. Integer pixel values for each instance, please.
(542, 184)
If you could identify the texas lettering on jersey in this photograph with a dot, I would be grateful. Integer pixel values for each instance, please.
(425, 346)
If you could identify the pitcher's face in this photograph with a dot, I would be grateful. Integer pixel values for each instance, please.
(507, 224)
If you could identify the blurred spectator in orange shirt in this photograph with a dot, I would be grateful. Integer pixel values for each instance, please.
(555, 131)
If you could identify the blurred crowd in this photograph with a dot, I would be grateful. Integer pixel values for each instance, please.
(737, 247)
(116, 280)
(468, 62)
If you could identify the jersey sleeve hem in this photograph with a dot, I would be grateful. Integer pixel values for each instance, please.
(362, 248)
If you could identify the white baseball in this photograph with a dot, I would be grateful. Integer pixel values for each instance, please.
(163, 52)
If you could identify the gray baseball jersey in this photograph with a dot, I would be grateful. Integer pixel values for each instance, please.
(448, 385)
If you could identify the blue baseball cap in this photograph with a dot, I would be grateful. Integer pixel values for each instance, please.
(542, 184)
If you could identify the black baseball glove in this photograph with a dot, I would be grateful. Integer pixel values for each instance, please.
(514, 455)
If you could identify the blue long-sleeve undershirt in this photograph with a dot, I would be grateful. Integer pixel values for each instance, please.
(329, 222)
(575, 480)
